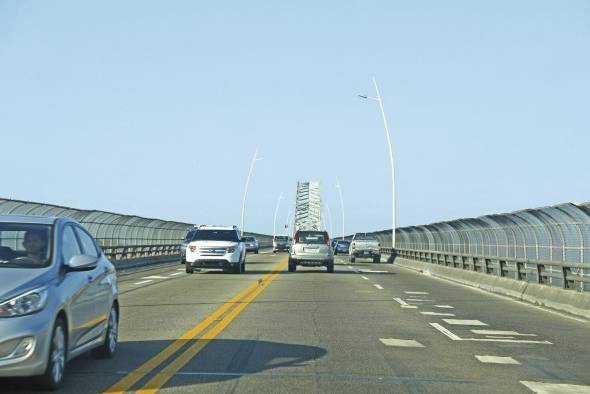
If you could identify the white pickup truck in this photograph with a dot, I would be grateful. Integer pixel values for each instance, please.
(364, 245)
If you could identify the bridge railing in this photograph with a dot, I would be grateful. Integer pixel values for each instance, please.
(549, 245)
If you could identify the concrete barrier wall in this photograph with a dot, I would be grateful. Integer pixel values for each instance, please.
(570, 301)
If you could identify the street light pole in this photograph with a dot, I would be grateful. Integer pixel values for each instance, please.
(254, 160)
(330, 219)
(341, 205)
(274, 220)
(380, 101)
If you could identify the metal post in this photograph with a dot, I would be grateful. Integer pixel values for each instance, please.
(254, 160)
(341, 204)
(274, 220)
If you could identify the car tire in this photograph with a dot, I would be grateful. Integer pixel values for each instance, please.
(256, 251)
(352, 259)
(111, 340)
(377, 259)
(243, 266)
(53, 377)
(189, 269)
(330, 266)
(237, 269)
(292, 266)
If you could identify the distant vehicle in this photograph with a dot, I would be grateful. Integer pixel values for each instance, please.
(58, 297)
(311, 249)
(184, 243)
(365, 245)
(251, 244)
(216, 247)
(342, 246)
(281, 243)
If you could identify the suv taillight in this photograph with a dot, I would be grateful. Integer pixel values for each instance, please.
(296, 237)
(326, 237)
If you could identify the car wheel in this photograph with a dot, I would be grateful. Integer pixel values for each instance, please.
(377, 259)
(237, 269)
(243, 266)
(256, 252)
(331, 266)
(189, 269)
(352, 259)
(53, 377)
(109, 346)
(292, 266)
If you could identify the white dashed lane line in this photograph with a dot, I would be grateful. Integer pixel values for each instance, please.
(378, 286)
(155, 277)
(177, 273)
(444, 306)
(459, 322)
(404, 304)
(416, 292)
(364, 277)
(498, 332)
(400, 342)
(143, 282)
(553, 388)
(497, 360)
(437, 314)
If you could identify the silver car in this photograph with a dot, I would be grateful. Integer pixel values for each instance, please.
(311, 249)
(58, 297)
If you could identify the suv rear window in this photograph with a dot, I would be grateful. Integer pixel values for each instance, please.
(216, 235)
(281, 238)
(311, 237)
(248, 239)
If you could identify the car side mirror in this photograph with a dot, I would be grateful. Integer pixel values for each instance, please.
(82, 262)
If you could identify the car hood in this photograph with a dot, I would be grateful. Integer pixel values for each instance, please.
(14, 281)
(213, 243)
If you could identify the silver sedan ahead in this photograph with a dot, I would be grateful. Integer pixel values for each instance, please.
(58, 297)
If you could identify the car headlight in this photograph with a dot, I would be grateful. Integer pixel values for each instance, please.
(231, 249)
(193, 248)
(24, 304)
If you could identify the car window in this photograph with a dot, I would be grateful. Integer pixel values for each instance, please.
(311, 237)
(216, 235)
(88, 245)
(69, 244)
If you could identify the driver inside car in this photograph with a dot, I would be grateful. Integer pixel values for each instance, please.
(35, 244)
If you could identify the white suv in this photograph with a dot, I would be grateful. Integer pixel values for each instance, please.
(216, 247)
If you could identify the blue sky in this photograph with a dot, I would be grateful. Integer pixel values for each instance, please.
(155, 108)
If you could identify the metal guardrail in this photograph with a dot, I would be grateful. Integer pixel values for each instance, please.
(533, 271)
(137, 251)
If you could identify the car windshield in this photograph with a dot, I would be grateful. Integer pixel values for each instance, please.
(311, 237)
(24, 245)
(216, 235)
(248, 239)
(364, 237)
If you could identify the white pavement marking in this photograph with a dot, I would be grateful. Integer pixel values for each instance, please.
(437, 314)
(444, 306)
(177, 273)
(445, 331)
(404, 304)
(498, 332)
(142, 282)
(400, 342)
(154, 277)
(373, 272)
(415, 292)
(364, 277)
(180, 269)
(378, 286)
(459, 322)
(349, 267)
(556, 388)
(455, 337)
(495, 337)
(497, 360)
(418, 300)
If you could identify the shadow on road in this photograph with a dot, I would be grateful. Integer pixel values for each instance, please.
(219, 361)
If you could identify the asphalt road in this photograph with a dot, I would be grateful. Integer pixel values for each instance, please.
(365, 328)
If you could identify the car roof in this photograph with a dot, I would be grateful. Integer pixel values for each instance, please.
(28, 219)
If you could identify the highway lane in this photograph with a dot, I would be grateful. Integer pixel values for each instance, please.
(367, 327)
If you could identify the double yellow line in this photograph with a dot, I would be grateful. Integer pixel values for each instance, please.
(238, 303)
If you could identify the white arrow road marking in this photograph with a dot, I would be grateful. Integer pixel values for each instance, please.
(400, 342)
(455, 337)
(556, 388)
(460, 322)
(497, 332)
(403, 303)
(496, 360)
(437, 314)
